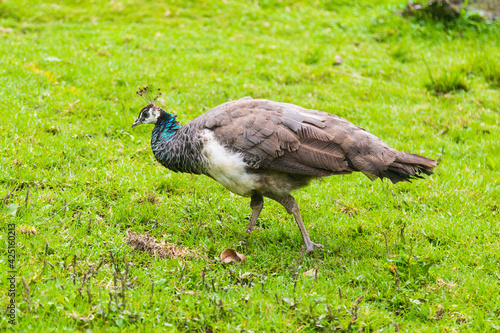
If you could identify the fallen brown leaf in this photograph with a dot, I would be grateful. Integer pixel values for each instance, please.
(441, 283)
(230, 255)
(81, 317)
(27, 229)
(311, 272)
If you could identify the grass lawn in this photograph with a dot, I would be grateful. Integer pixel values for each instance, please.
(75, 178)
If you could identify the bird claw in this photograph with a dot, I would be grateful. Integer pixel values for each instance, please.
(310, 247)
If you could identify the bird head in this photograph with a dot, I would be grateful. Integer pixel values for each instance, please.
(148, 115)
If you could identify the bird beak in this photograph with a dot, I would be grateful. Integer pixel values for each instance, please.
(136, 122)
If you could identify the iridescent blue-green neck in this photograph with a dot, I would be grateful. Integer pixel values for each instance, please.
(166, 126)
(175, 146)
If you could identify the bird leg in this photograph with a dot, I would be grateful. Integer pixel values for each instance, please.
(292, 208)
(256, 203)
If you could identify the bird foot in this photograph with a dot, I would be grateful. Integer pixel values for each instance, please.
(310, 247)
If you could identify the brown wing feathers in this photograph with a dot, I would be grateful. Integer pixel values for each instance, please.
(285, 137)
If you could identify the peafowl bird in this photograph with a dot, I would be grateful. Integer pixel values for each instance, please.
(259, 148)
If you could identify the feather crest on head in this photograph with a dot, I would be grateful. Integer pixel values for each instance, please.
(146, 93)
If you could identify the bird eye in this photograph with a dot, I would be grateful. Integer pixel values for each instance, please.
(145, 115)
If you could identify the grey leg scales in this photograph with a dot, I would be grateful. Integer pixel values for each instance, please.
(256, 203)
(292, 208)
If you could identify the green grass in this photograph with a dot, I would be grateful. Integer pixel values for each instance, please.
(421, 256)
(448, 81)
(313, 57)
(403, 50)
(489, 67)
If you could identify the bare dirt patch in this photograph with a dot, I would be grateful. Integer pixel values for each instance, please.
(161, 249)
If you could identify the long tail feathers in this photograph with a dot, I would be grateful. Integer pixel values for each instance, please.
(409, 166)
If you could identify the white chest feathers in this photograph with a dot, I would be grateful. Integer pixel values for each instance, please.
(227, 167)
